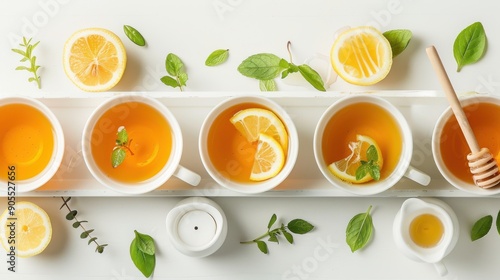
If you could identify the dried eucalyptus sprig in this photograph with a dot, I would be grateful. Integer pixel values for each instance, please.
(27, 54)
(297, 226)
(77, 223)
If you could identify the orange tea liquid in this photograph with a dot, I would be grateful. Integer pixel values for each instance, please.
(365, 119)
(230, 153)
(26, 140)
(426, 230)
(150, 139)
(484, 118)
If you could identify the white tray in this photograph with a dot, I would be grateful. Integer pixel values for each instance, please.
(421, 109)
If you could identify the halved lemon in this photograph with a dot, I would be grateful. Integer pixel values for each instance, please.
(346, 168)
(94, 59)
(361, 56)
(269, 158)
(255, 121)
(30, 228)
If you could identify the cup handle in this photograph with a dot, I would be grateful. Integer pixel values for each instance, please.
(441, 269)
(418, 176)
(187, 176)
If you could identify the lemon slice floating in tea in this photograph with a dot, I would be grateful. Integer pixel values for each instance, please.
(361, 56)
(254, 121)
(269, 158)
(94, 59)
(33, 229)
(346, 168)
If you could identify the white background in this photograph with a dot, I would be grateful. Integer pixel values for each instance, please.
(194, 28)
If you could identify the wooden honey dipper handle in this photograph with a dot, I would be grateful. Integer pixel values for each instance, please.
(482, 164)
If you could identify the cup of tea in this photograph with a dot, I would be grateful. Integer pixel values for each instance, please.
(248, 144)
(450, 149)
(363, 145)
(426, 230)
(31, 143)
(133, 144)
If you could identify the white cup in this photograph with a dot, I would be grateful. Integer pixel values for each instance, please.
(436, 146)
(403, 167)
(251, 187)
(13, 185)
(411, 209)
(172, 166)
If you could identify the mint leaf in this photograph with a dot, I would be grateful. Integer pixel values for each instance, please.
(312, 77)
(300, 226)
(169, 81)
(121, 136)
(359, 230)
(173, 64)
(374, 171)
(398, 39)
(144, 262)
(217, 57)
(362, 170)
(469, 45)
(481, 227)
(118, 156)
(263, 66)
(268, 85)
(134, 35)
(371, 153)
(145, 243)
(498, 222)
(183, 77)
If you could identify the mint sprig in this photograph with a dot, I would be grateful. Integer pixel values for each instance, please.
(297, 226)
(27, 53)
(370, 166)
(266, 66)
(122, 145)
(175, 68)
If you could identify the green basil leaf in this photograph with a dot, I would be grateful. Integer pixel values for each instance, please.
(272, 221)
(263, 66)
(371, 153)
(469, 45)
(144, 262)
(299, 226)
(359, 230)
(262, 246)
(481, 227)
(217, 57)
(173, 64)
(117, 157)
(374, 171)
(288, 236)
(121, 136)
(498, 222)
(169, 81)
(312, 77)
(145, 243)
(399, 40)
(268, 85)
(134, 35)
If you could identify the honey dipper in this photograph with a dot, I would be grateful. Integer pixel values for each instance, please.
(482, 165)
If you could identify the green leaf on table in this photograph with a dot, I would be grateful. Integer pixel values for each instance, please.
(481, 227)
(217, 57)
(173, 64)
(288, 236)
(398, 39)
(86, 233)
(359, 230)
(145, 243)
(169, 81)
(144, 262)
(268, 85)
(469, 45)
(134, 35)
(272, 221)
(299, 226)
(311, 76)
(262, 246)
(498, 222)
(263, 66)
(71, 215)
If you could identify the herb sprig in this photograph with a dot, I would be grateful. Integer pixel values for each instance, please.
(370, 166)
(27, 53)
(71, 216)
(297, 226)
(122, 145)
(359, 230)
(266, 66)
(142, 253)
(175, 68)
